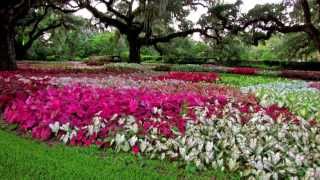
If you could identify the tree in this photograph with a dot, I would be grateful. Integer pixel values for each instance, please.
(290, 16)
(69, 41)
(10, 13)
(140, 20)
(39, 21)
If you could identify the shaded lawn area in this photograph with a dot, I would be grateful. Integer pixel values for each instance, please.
(23, 158)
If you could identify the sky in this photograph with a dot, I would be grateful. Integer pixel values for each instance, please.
(247, 4)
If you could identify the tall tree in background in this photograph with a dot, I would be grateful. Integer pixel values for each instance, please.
(34, 25)
(140, 20)
(10, 13)
(39, 21)
(289, 16)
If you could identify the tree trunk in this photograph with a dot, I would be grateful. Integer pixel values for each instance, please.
(314, 34)
(7, 50)
(134, 48)
(21, 51)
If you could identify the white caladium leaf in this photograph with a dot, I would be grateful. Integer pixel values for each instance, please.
(133, 140)
(90, 130)
(55, 127)
(143, 145)
(125, 147)
(65, 138)
(209, 146)
(120, 138)
(65, 127)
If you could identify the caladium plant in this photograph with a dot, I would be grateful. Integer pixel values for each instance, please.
(298, 97)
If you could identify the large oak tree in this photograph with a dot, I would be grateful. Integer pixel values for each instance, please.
(11, 13)
(149, 22)
(289, 16)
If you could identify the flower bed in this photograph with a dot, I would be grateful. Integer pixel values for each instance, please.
(315, 85)
(193, 77)
(188, 127)
(19, 87)
(310, 75)
(243, 70)
(177, 118)
(298, 97)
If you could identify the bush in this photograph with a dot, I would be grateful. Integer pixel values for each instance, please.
(150, 59)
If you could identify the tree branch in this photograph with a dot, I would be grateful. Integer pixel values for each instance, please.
(306, 11)
(162, 39)
(103, 17)
(109, 5)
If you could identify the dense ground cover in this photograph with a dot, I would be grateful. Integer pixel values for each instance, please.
(256, 131)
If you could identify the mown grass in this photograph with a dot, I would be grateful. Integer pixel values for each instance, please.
(23, 158)
(247, 80)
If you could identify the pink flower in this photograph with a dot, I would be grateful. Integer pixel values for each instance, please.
(243, 70)
(135, 149)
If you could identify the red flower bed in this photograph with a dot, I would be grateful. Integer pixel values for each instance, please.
(311, 75)
(190, 76)
(78, 105)
(315, 85)
(18, 87)
(243, 70)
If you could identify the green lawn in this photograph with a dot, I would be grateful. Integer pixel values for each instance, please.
(247, 80)
(23, 158)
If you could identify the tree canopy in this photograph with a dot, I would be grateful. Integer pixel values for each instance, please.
(289, 16)
(149, 22)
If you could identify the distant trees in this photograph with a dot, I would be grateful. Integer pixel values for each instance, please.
(289, 16)
(149, 22)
